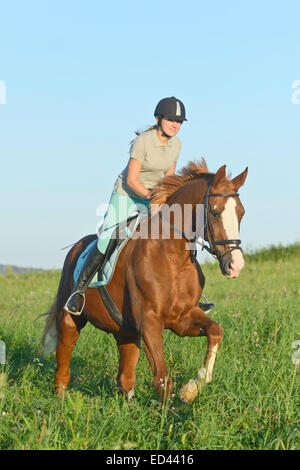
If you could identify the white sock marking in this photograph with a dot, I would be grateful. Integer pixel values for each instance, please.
(205, 373)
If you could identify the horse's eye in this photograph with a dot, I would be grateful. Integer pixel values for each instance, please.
(215, 213)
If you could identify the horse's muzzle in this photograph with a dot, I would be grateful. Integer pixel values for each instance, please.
(232, 263)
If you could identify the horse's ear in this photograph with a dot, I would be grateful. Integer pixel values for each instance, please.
(219, 175)
(239, 180)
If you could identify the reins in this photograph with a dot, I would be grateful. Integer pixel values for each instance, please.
(189, 240)
(208, 232)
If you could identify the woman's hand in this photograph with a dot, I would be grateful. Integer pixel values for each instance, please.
(171, 171)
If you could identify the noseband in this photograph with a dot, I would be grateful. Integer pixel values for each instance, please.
(208, 232)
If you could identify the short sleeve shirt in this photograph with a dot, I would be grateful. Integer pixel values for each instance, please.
(155, 157)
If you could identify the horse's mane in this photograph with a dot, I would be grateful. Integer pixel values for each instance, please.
(167, 185)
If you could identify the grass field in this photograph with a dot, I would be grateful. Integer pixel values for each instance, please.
(252, 402)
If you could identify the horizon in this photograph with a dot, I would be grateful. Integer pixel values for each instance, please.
(206, 258)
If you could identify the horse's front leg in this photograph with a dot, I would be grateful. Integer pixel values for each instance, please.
(197, 323)
(129, 351)
(152, 329)
(214, 333)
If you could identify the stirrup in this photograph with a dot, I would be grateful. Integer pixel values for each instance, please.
(66, 306)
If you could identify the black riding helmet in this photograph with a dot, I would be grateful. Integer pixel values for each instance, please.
(171, 109)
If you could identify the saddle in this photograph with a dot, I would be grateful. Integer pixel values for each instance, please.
(119, 238)
(123, 232)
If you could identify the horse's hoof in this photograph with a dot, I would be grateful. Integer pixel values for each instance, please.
(130, 395)
(189, 391)
(60, 390)
(204, 375)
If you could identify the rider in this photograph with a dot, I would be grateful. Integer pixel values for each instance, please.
(152, 154)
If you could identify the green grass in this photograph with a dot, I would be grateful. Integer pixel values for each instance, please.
(275, 253)
(252, 403)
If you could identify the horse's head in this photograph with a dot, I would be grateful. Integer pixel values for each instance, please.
(224, 212)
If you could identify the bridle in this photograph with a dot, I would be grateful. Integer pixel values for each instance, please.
(208, 232)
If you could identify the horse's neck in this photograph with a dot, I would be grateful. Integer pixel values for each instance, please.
(191, 193)
(187, 197)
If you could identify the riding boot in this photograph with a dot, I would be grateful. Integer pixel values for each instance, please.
(206, 307)
(93, 262)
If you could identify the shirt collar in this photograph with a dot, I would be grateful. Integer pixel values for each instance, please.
(157, 142)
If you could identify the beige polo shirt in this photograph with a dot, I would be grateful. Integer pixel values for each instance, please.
(156, 159)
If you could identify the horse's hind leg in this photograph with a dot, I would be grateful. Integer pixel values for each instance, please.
(66, 343)
(129, 351)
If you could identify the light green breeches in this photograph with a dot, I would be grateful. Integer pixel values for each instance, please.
(120, 208)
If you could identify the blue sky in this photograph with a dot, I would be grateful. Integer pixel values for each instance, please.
(81, 77)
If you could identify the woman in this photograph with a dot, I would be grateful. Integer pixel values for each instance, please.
(153, 153)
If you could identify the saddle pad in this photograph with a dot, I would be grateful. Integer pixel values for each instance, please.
(110, 264)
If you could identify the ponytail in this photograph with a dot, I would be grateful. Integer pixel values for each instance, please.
(137, 133)
(150, 128)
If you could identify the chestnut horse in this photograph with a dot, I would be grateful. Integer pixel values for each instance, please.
(157, 283)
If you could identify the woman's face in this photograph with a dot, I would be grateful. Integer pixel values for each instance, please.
(170, 128)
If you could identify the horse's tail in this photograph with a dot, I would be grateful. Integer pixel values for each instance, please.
(54, 315)
(50, 335)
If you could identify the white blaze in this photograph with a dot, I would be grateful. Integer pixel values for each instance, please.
(231, 227)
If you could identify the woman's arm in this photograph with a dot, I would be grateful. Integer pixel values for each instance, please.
(134, 168)
(171, 171)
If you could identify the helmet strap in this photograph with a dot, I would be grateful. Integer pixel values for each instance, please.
(159, 126)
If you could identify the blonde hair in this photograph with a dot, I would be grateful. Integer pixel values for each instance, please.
(150, 128)
(137, 133)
